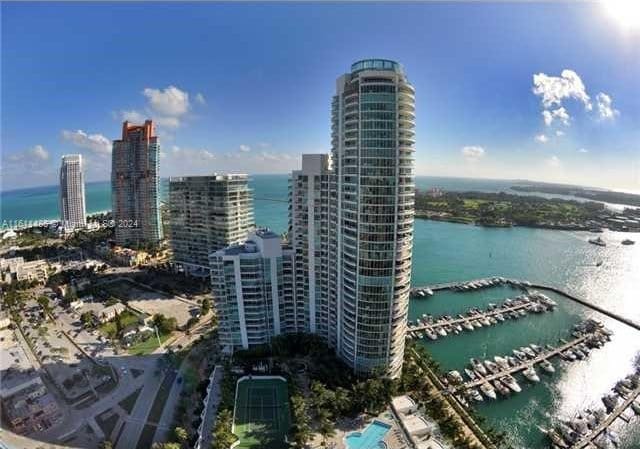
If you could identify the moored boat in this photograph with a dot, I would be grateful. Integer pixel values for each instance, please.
(510, 382)
(547, 366)
(488, 390)
(530, 374)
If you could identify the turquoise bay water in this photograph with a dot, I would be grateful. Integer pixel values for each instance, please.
(450, 252)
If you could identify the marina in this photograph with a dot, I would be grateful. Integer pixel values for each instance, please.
(523, 285)
(510, 309)
(591, 333)
(477, 284)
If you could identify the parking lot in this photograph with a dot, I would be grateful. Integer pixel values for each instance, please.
(74, 373)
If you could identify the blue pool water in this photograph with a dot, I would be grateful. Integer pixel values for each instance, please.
(371, 438)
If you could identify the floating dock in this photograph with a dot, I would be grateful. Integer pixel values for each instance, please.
(536, 303)
(525, 364)
(525, 285)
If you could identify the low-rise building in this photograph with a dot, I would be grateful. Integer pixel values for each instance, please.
(127, 257)
(31, 409)
(110, 312)
(16, 269)
(36, 270)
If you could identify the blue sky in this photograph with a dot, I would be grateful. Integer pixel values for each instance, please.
(247, 87)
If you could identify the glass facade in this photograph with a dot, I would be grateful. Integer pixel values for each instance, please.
(372, 213)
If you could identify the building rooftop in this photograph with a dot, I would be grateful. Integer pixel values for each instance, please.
(266, 233)
(15, 367)
(376, 64)
(415, 425)
(403, 403)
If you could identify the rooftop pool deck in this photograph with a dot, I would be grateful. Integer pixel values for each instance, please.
(370, 438)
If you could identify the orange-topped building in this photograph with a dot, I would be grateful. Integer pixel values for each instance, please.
(135, 185)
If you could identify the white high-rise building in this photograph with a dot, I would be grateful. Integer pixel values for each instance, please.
(308, 227)
(71, 197)
(252, 285)
(347, 270)
(207, 213)
(371, 214)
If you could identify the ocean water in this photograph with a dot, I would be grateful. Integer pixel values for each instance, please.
(41, 203)
(450, 252)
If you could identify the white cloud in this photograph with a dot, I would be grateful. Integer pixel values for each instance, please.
(472, 152)
(35, 154)
(190, 154)
(559, 133)
(605, 108)
(170, 101)
(168, 108)
(200, 98)
(560, 114)
(554, 89)
(132, 116)
(167, 122)
(541, 138)
(583, 150)
(244, 148)
(272, 156)
(96, 143)
(553, 162)
(27, 167)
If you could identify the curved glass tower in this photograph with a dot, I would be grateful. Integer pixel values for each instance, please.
(371, 214)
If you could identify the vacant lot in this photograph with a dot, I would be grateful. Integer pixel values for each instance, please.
(151, 302)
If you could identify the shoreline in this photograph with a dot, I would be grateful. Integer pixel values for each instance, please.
(465, 221)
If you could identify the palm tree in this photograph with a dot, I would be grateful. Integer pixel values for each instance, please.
(301, 424)
(326, 427)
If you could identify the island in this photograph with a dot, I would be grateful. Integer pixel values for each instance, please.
(505, 210)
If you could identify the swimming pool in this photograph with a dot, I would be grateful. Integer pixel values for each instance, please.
(370, 438)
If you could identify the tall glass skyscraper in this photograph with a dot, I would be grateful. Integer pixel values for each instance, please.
(371, 213)
(346, 263)
(135, 185)
(72, 200)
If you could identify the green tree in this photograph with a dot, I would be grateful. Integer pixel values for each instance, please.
(301, 428)
(181, 435)
(326, 427)
(45, 304)
(165, 446)
(223, 438)
(106, 444)
(165, 325)
(206, 306)
(86, 318)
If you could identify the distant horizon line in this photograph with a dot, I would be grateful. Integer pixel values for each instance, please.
(428, 176)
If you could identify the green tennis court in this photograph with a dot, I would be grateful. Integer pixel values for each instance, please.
(261, 417)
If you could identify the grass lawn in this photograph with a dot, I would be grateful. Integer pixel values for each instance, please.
(147, 346)
(261, 416)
